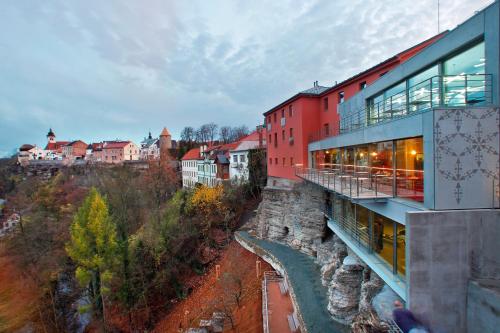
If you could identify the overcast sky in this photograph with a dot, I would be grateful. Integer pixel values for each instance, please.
(98, 70)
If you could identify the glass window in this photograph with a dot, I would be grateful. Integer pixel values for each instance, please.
(290, 111)
(382, 238)
(381, 162)
(410, 169)
(423, 89)
(235, 158)
(363, 219)
(361, 158)
(395, 101)
(400, 249)
(348, 159)
(325, 103)
(341, 97)
(242, 158)
(464, 77)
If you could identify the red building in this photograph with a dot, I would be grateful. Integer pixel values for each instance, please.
(312, 115)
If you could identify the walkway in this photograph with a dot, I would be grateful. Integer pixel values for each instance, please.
(305, 280)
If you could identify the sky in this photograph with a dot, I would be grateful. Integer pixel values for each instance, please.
(101, 70)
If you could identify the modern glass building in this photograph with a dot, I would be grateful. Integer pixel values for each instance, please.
(411, 182)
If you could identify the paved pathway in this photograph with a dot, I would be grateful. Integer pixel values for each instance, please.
(305, 280)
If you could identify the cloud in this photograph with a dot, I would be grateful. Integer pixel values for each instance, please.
(97, 70)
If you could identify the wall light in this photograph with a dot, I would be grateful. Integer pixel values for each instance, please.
(413, 152)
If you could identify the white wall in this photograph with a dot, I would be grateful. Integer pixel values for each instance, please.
(238, 169)
(189, 173)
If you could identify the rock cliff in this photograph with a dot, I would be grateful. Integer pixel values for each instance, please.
(293, 215)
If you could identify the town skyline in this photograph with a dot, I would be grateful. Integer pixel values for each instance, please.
(49, 80)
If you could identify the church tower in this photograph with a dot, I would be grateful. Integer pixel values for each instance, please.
(51, 137)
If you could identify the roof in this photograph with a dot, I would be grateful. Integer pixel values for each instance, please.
(51, 133)
(320, 90)
(114, 144)
(222, 159)
(192, 154)
(56, 145)
(385, 62)
(165, 132)
(315, 91)
(147, 142)
(246, 145)
(254, 136)
(26, 147)
(72, 143)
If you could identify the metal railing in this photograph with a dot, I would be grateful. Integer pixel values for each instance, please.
(449, 91)
(357, 231)
(364, 182)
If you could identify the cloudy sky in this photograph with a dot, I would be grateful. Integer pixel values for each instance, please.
(97, 70)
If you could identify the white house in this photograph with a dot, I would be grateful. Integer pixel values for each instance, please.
(238, 169)
(190, 167)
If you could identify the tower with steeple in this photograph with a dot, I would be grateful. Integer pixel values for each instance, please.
(51, 137)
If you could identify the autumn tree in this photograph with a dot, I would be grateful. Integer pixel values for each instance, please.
(92, 247)
(207, 202)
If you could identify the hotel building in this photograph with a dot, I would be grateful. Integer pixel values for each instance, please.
(410, 170)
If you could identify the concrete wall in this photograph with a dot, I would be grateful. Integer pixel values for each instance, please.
(445, 250)
(483, 306)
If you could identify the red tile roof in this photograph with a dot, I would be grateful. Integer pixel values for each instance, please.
(56, 145)
(193, 154)
(254, 136)
(114, 144)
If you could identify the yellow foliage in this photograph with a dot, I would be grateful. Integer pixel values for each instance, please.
(208, 201)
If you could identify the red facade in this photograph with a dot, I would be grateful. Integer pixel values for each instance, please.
(312, 115)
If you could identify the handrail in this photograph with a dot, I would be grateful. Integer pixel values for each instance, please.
(363, 182)
(436, 91)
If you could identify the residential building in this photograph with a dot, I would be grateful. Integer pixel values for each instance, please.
(312, 114)
(213, 168)
(190, 167)
(150, 148)
(94, 152)
(239, 156)
(75, 150)
(119, 151)
(53, 147)
(29, 152)
(411, 180)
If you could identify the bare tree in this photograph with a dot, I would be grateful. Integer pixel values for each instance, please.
(188, 134)
(202, 134)
(238, 132)
(225, 134)
(212, 131)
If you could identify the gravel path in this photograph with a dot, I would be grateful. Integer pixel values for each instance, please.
(304, 277)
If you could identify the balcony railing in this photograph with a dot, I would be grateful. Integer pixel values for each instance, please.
(437, 91)
(363, 182)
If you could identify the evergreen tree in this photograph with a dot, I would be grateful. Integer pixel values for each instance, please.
(93, 247)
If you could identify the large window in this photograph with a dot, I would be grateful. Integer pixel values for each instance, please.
(423, 90)
(460, 89)
(462, 82)
(410, 169)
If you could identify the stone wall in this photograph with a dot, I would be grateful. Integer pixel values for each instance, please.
(293, 216)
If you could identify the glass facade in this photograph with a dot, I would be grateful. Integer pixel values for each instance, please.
(394, 168)
(378, 234)
(457, 81)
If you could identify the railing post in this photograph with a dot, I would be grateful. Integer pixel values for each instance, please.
(465, 80)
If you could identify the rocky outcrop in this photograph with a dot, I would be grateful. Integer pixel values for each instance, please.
(330, 256)
(292, 215)
(345, 289)
(369, 288)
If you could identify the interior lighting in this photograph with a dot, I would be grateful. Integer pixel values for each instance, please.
(413, 152)
(374, 154)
